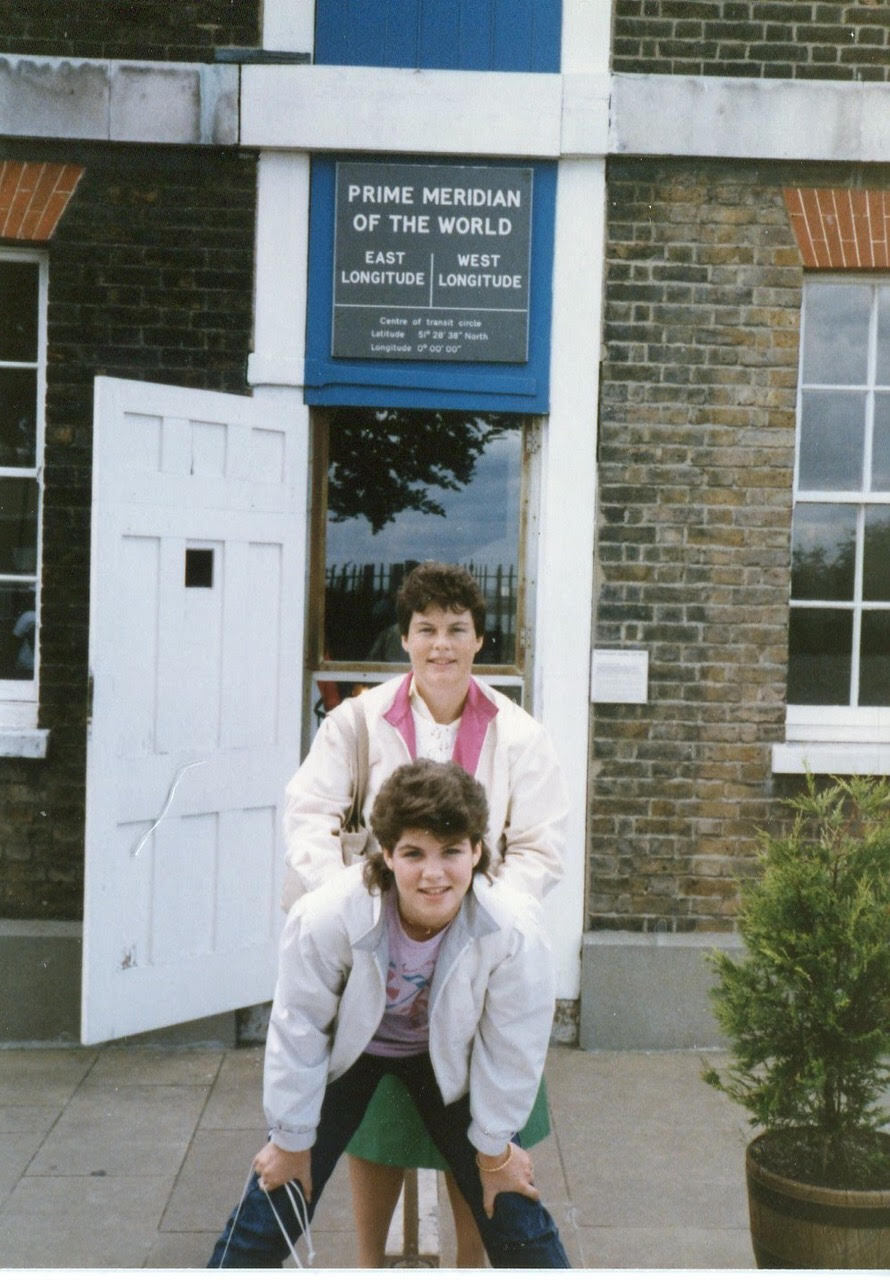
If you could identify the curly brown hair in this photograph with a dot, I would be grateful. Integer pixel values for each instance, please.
(448, 586)
(426, 796)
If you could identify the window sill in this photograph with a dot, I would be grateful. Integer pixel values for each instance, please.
(831, 757)
(24, 743)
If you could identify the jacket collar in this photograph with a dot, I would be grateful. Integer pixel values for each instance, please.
(477, 715)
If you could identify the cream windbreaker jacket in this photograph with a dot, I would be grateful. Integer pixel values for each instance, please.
(491, 1006)
(499, 743)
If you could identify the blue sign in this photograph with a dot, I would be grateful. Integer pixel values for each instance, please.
(431, 262)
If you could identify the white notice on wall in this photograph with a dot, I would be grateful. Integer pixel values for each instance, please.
(619, 675)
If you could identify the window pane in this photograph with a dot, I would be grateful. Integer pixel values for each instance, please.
(832, 435)
(18, 407)
(18, 525)
(18, 310)
(823, 552)
(876, 559)
(836, 318)
(874, 659)
(406, 486)
(17, 633)
(880, 453)
(820, 644)
(882, 372)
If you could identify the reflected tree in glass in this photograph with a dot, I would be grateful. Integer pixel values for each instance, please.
(382, 462)
(409, 485)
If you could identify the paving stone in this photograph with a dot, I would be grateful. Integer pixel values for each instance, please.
(16, 1153)
(107, 1131)
(47, 1076)
(155, 1066)
(81, 1221)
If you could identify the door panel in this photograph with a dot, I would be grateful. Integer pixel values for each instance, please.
(197, 570)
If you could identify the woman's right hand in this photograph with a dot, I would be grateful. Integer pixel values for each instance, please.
(508, 1173)
(275, 1167)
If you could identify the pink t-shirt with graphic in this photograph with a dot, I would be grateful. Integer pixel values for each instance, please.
(404, 1029)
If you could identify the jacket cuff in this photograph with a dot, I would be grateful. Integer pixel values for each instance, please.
(486, 1142)
(293, 1139)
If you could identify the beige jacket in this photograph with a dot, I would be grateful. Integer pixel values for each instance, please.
(504, 748)
(491, 1006)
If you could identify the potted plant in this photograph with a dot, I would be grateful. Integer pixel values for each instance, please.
(806, 1012)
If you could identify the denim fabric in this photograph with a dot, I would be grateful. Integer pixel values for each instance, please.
(521, 1234)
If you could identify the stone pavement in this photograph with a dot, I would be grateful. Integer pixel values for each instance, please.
(130, 1156)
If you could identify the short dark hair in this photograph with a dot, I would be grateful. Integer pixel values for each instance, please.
(449, 586)
(426, 796)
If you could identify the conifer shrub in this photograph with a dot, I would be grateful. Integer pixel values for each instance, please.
(806, 1010)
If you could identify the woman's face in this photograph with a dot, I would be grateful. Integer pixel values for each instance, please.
(442, 645)
(432, 876)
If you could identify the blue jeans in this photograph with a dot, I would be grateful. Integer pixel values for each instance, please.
(521, 1234)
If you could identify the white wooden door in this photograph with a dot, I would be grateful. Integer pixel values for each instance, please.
(195, 658)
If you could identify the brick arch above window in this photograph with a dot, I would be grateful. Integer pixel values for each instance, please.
(33, 197)
(839, 228)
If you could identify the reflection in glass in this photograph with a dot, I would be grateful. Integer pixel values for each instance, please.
(18, 402)
(19, 283)
(832, 433)
(874, 659)
(18, 525)
(880, 453)
(836, 320)
(819, 659)
(876, 558)
(882, 370)
(823, 552)
(406, 486)
(17, 633)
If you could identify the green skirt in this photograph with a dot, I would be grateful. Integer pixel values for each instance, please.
(393, 1133)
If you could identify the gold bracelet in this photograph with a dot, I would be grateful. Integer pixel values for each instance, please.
(496, 1168)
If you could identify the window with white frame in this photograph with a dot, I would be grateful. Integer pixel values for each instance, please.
(839, 639)
(23, 277)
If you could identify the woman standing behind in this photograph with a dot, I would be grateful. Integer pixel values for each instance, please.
(442, 712)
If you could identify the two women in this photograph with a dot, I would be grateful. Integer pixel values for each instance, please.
(440, 711)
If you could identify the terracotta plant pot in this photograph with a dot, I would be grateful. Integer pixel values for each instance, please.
(795, 1224)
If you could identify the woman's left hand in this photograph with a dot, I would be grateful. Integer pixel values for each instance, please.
(274, 1167)
(513, 1175)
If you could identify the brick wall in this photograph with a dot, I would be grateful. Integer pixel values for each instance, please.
(151, 276)
(794, 39)
(696, 455)
(157, 30)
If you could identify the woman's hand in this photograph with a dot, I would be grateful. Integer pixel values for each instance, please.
(274, 1167)
(511, 1171)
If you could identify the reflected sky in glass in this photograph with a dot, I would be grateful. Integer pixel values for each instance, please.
(481, 521)
(882, 370)
(836, 322)
(832, 436)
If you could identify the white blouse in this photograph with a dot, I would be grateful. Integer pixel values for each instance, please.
(434, 741)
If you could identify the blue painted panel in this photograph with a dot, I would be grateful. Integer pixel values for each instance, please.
(521, 388)
(439, 37)
(513, 27)
(475, 36)
(400, 45)
(478, 35)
